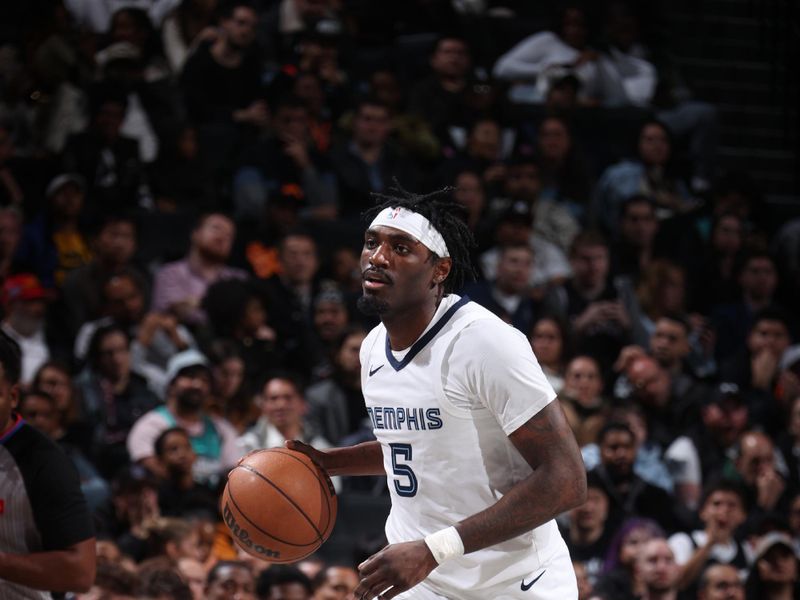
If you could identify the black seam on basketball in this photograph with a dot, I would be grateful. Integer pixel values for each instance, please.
(292, 502)
(266, 533)
(318, 470)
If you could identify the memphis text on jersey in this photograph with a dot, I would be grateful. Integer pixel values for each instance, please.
(410, 419)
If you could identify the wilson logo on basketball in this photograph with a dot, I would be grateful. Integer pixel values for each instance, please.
(243, 536)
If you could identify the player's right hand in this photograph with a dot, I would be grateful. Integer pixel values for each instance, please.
(318, 458)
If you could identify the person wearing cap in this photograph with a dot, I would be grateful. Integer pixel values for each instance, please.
(775, 574)
(187, 395)
(25, 304)
(515, 226)
(478, 455)
(701, 451)
(53, 243)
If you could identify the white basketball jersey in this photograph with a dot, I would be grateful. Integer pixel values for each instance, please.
(442, 411)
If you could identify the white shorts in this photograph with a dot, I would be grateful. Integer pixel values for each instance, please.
(554, 581)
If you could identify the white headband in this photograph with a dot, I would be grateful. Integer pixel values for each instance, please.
(414, 224)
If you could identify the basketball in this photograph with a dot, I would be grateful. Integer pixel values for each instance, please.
(278, 505)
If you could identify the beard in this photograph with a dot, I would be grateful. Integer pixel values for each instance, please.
(190, 400)
(372, 306)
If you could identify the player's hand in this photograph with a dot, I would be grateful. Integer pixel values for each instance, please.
(394, 570)
(318, 457)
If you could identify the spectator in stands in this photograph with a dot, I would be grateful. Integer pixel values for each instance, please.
(775, 574)
(649, 464)
(330, 319)
(515, 227)
(25, 303)
(714, 281)
(38, 408)
(183, 28)
(180, 177)
(221, 79)
(283, 411)
(179, 495)
(720, 582)
(236, 315)
(11, 192)
(702, 449)
(112, 580)
(638, 229)
(113, 397)
(50, 546)
(582, 399)
(618, 581)
(661, 289)
(213, 438)
(756, 367)
(589, 534)
(722, 511)
(670, 405)
(657, 571)
(113, 245)
(334, 582)
(755, 465)
(523, 182)
(194, 574)
(758, 280)
(231, 397)
(482, 152)
(591, 302)
(629, 495)
(230, 579)
(366, 161)
(650, 173)
(551, 344)
(285, 158)
(288, 297)
(508, 294)
(55, 379)
(284, 581)
(10, 236)
(336, 405)
(537, 61)
(470, 193)
(178, 287)
(789, 440)
(155, 336)
(440, 98)
(106, 159)
(53, 244)
(289, 20)
(565, 176)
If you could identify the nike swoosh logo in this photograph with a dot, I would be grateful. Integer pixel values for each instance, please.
(375, 370)
(526, 586)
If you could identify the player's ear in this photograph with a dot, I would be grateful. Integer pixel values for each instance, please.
(442, 270)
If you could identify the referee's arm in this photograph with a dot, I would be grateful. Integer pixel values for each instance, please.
(69, 570)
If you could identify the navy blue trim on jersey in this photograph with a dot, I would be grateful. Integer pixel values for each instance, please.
(423, 341)
(13, 429)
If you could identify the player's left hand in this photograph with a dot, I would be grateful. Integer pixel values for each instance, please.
(393, 570)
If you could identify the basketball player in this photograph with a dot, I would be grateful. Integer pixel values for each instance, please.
(479, 457)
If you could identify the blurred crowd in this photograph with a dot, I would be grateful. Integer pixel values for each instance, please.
(181, 190)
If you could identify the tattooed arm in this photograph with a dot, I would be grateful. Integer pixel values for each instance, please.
(558, 483)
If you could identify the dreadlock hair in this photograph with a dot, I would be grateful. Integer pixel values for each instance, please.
(449, 219)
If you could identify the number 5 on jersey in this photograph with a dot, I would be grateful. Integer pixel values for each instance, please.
(405, 482)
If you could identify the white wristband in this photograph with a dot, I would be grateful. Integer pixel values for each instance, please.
(445, 544)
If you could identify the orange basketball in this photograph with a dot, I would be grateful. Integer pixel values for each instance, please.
(278, 505)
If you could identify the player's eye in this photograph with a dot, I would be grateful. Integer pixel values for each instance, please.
(401, 249)
(370, 243)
